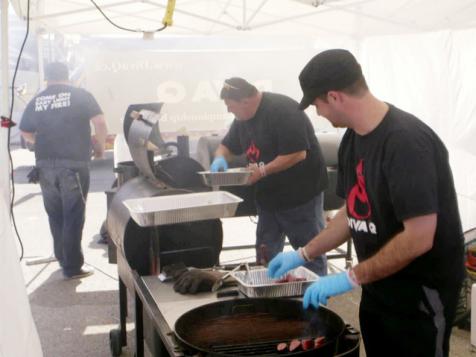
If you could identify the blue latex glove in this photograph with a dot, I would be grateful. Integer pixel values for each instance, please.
(283, 262)
(219, 164)
(325, 287)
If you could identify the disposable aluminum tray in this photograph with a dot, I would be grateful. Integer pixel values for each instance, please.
(188, 207)
(256, 283)
(232, 177)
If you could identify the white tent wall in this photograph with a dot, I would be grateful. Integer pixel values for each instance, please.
(433, 76)
(187, 74)
(18, 335)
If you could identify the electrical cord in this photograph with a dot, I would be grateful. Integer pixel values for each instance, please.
(12, 178)
(166, 23)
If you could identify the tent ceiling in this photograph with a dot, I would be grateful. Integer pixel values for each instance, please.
(355, 18)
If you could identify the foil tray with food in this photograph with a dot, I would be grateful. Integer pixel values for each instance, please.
(232, 177)
(188, 207)
(256, 283)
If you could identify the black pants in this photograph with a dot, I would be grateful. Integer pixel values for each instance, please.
(421, 330)
(64, 193)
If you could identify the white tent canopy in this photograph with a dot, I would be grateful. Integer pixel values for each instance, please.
(416, 54)
(354, 18)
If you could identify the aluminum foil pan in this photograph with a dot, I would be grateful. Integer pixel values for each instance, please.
(256, 283)
(232, 177)
(189, 207)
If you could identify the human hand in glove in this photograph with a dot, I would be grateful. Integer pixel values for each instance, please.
(219, 164)
(196, 280)
(325, 287)
(283, 262)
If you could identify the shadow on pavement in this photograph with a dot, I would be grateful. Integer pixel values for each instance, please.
(72, 322)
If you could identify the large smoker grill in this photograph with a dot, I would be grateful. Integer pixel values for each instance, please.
(158, 168)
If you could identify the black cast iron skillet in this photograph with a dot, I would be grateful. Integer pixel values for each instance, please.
(255, 326)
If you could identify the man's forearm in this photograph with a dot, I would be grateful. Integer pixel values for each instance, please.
(284, 162)
(29, 137)
(222, 150)
(100, 135)
(335, 234)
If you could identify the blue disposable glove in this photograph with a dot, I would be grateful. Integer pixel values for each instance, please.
(219, 164)
(325, 287)
(283, 262)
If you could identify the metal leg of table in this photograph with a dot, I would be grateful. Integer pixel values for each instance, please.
(123, 311)
(348, 256)
(139, 327)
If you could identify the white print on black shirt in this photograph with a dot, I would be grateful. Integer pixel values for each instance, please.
(54, 101)
(362, 226)
(358, 204)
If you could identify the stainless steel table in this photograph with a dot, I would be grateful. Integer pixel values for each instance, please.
(163, 306)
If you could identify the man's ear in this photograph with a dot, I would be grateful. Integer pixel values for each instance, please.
(333, 96)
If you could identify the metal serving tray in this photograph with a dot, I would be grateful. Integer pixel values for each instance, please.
(232, 177)
(256, 283)
(188, 207)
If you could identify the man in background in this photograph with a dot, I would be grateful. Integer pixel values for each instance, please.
(287, 164)
(57, 121)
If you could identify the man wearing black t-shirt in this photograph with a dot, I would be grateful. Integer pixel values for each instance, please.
(57, 121)
(287, 163)
(401, 212)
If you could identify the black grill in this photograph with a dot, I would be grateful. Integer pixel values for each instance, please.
(253, 349)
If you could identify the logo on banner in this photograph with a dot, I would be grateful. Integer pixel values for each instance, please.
(358, 204)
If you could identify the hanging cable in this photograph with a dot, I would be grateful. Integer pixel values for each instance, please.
(167, 20)
(12, 177)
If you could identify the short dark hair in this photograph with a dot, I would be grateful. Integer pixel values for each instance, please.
(355, 89)
(335, 69)
(236, 88)
(56, 71)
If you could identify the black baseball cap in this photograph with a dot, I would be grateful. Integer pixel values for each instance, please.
(56, 71)
(237, 88)
(329, 70)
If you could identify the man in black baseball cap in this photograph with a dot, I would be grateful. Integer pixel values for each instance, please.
(329, 70)
(400, 211)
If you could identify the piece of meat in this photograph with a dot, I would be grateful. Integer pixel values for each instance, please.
(294, 345)
(292, 278)
(282, 347)
(319, 341)
(289, 278)
(307, 344)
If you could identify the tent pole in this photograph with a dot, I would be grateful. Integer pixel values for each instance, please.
(5, 69)
(4, 160)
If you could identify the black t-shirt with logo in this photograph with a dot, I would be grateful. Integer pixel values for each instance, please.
(398, 171)
(280, 128)
(60, 117)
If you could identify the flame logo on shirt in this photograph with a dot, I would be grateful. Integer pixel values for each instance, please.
(253, 153)
(357, 200)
